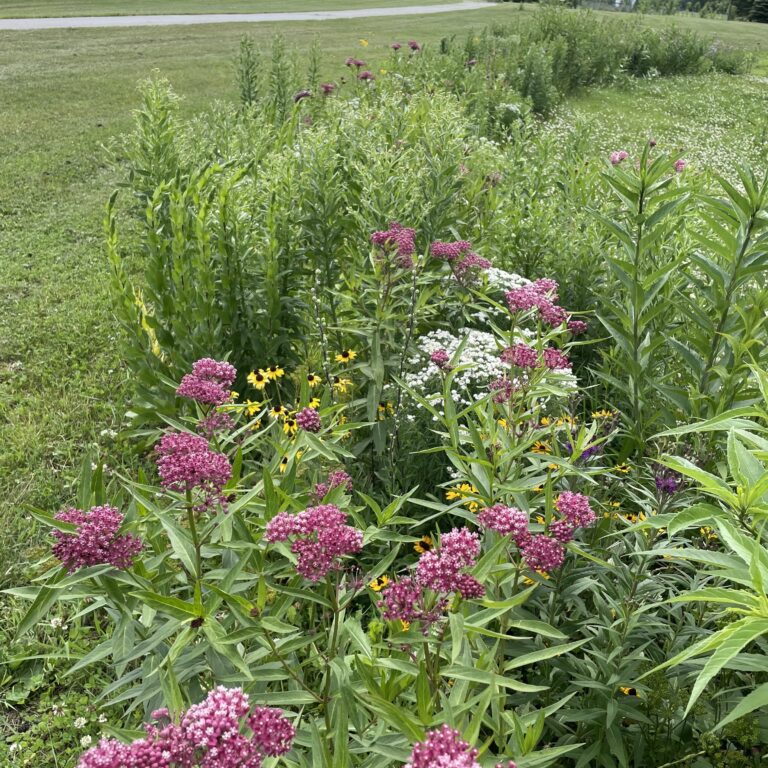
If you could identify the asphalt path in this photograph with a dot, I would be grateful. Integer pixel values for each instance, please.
(89, 22)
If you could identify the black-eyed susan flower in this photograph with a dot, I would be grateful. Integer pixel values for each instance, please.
(283, 464)
(252, 408)
(258, 379)
(424, 544)
(314, 403)
(545, 421)
(290, 426)
(346, 356)
(279, 412)
(378, 584)
(341, 385)
(541, 446)
(313, 380)
(385, 409)
(624, 468)
(274, 372)
(627, 691)
(603, 414)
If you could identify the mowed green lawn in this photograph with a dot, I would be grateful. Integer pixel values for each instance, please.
(37, 8)
(65, 93)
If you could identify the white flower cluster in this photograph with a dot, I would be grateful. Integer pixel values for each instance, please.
(501, 280)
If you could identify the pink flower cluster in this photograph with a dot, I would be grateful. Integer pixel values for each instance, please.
(351, 61)
(680, 165)
(320, 538)
(547, 552)
(540, 295)
(506, 521)
(444, 748)
(210, 382)
(186, 462)
(441, 569)
(97, 540)
(441, 359)
(214, 422)
(218, 732)
(502, 390)
(618, 157)
(309, 420)
(526, 357)
(335, 479)
(464, 263)
(400, 239)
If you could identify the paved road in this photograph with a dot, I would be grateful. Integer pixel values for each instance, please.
(228, 18)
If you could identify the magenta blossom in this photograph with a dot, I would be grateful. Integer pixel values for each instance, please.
(540, 295)
(308, 419)
(680, 165)
(414, 46)
(327, 88)
(575, 508)
(210, 382)
(444, 748)
(320, 538)
(336, 479)
(97, 540)
(441, 569)
(366, 75)
(542, 553)
(521, 355)
(505, 521)
(554, 359)
(399, 239)
(618, 157)
(577, 327)
(395, 46)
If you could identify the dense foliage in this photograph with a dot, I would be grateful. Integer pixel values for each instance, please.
(454, 445)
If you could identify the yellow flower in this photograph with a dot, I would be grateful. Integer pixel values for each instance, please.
(405, 625)
(256, 425)
(234, 395)
(252, 408)
(424, 544)
(343, 420)
(279, 412)
(538, 488)
(312, 380)
(708, 533)
(363, 42)
(346, 356)
(382, 71)
(552, 466)
(545, 421)
(624, 468)
(378, 584)
(541, 446)
(385, 409)
(540, 520)
(502, 423)
(314, 403)
(566, 420)
(258, 379)
(628, 691)
(603, 414)
(275, 372)
(283, 464)
(463, 491)
(341, 385)
(290, 426)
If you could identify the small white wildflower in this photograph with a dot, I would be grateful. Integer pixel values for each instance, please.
(85, 741)
(80, 722)
(57, 622)
(102, 718)
(13, 748)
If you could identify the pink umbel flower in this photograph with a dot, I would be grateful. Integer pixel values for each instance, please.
(618, 157)
(335, 479)
(576, 326)
(543, 553)
(680, 165)
(444, 748)
(554, 359)
(97, 540)
(441, 359)
(401, 600)
(320, 538)
(210, 382)
(214, 423)
(502, 390)
(186, 462)
(464, 263)
(540, 295)
(470, 264)
(505, 521)
(401, 240)
(441, 569)
(521, 355)
(562, 530)
(450, 251)
(309, 420)
(575, 508)
(216, 733)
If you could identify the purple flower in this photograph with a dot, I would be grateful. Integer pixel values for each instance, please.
(97, 540)
(577, 327)
(680, 165)
(309, 420)
(301, 95)
(542, 553)
(505, 521)
(575, 508)
(320, 538)
(555, 359)
(541, 295)
(521, 355)
(366, 75)
(395, 46)
(502, 390)
(414, 46)
(213, 423)
(272, 732)
(444, 748)
(399, 239)
(210, 382)
(186, 462)
(618, 157)
(327, 88)
(440, 569)
(562, 530)
(441, 359)
(450, 251)
(459, 255)
(667, 484)
(335, 479)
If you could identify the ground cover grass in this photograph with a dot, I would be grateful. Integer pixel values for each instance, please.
(71, 90)
(22, 9)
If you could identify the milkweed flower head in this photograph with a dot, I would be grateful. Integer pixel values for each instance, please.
(97, 540)
(213, 423)
(576, 326)
(336, 479)
(575, 508)
(543, 553)
(186, 462)
(320, 538)
(556, 360)
(219, 732)
(680, 165)
(505, 521)
(444, 748)
(618, 157)
(465, 264)
(441, 569)
(441, 359)
(309, 420)
(398, 239)
(521, 355)
(540, 295)
(210, 382)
